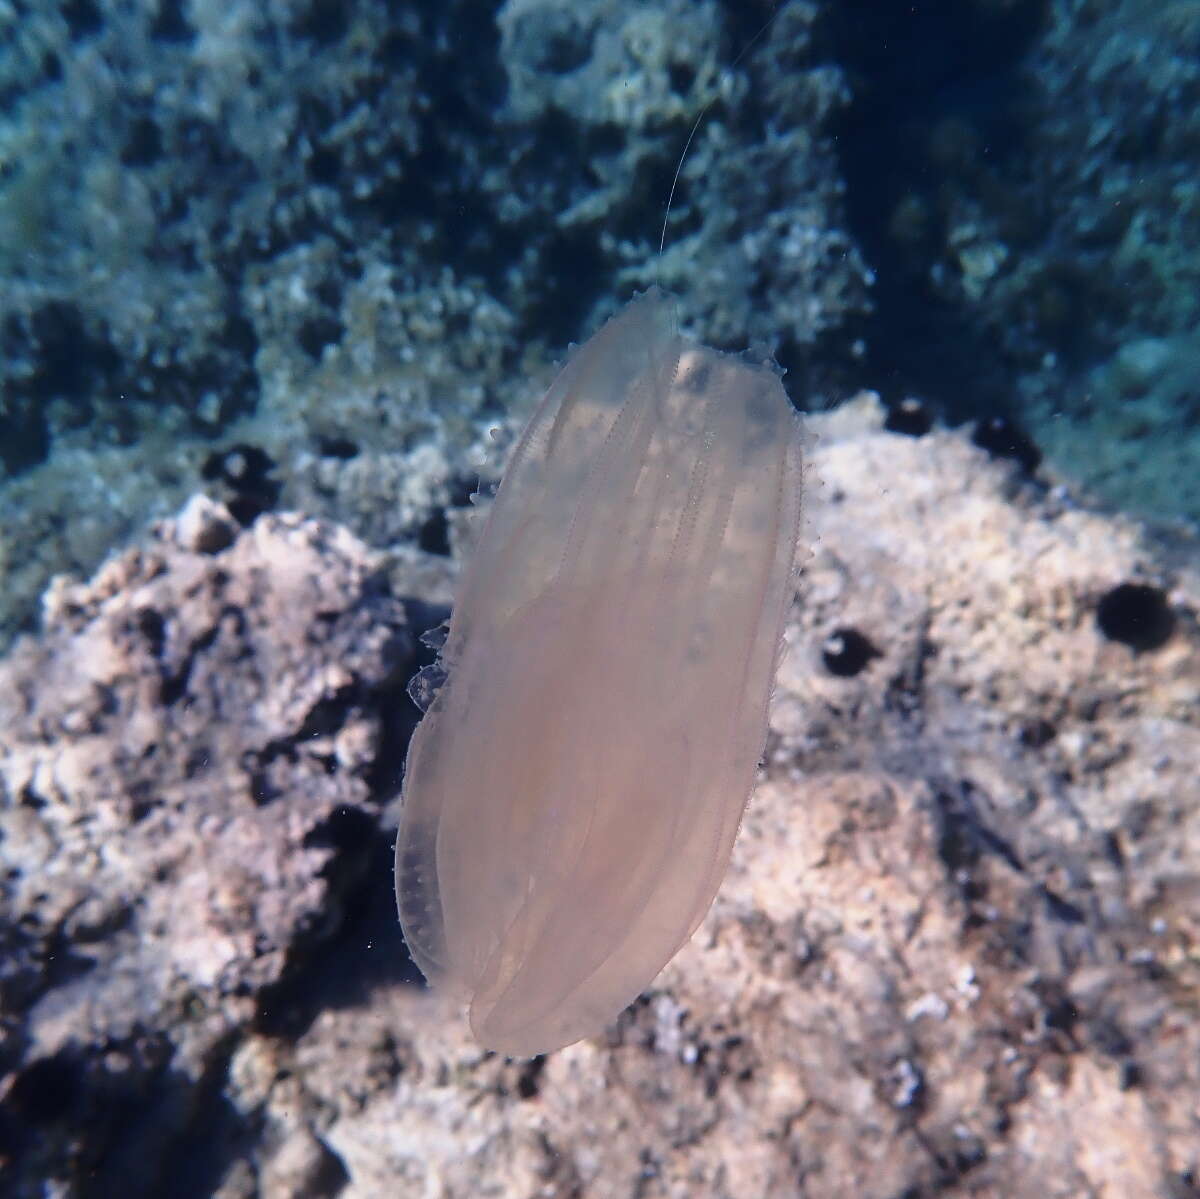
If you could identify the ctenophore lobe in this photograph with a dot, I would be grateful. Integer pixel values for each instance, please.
(572, 795)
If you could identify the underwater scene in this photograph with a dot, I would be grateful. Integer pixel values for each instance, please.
(748, 451)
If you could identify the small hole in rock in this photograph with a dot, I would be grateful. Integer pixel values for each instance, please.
(337, 447)
(171, 23)
(846, 652)
(324, 166)
(681, 76)
(46, 1090)
(1136, 615)
(910, 416)
(529, 1080)
(318, 332)
(143, 147)
(1037, 733)
(153, 627)
(1004, 438)
(434, 536)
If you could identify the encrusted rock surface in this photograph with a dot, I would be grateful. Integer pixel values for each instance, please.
(349, 235)
(757, 208)
(190, 757)
(958, 949)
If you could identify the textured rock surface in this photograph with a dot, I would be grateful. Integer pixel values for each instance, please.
(1118, 107)
(958, 950)
(1040, 167)
(758, 207)
(188, 763)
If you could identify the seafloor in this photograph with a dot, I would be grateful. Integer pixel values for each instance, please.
(278, 284)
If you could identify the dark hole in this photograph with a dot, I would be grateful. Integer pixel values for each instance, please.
(246, 471)
(1061, 1014)
(246, 509)
(329, 1176)
(325, 717)
(170, 25)
(345, 829)
(46, 1090)
(1037, 733)
(153, 627)
(337, 447)
(1004, 438)
(681, 77)
(1110, 843)
(847, 652)
(1129, 1076)
(325, 21)
(82, 17)
(239, 466)
(318, 332)
(140, 807)
(31, 799)
(1060, 909)
(262, 790)
(461, 490)
(911, 417)
(1137, 615)
(143, 147)
(528, 1081)
(434, 537)
(324, 166)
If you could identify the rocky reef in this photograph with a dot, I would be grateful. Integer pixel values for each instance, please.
(957, 951)
(277, 285)
(353, 235)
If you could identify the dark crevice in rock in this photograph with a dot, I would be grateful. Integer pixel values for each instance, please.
(366, 949)
(911, 67)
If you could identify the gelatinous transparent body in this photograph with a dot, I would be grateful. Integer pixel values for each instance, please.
(572, 795)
